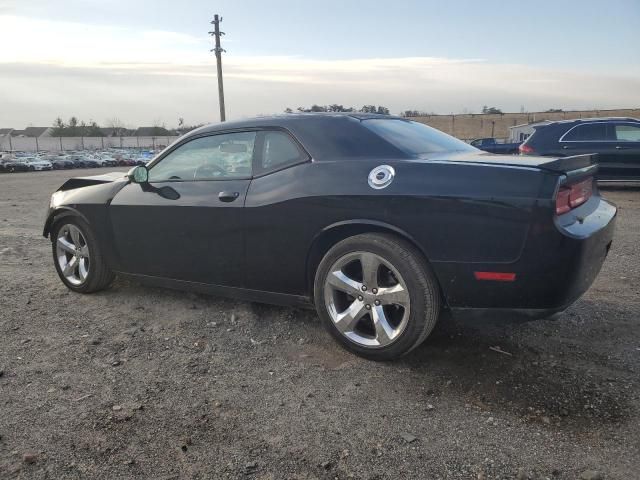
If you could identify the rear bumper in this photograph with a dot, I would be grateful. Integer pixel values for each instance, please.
(558, 264)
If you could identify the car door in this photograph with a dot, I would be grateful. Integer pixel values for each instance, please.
(186, 223)
(275, 216)
(592, 137)
(627, 150)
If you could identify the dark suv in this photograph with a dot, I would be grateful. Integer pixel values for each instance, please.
(615, 140)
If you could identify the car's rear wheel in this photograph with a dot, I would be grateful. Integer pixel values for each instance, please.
(77, 256)
(376, 295)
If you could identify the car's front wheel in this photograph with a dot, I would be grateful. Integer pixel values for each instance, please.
(77, 256)
(376, 295)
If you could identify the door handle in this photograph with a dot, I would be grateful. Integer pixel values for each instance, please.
(228, 196)
(564, 147)
(618, 147)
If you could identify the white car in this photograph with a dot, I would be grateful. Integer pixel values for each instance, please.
(38, 164)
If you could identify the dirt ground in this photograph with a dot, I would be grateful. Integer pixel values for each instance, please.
(151, 383)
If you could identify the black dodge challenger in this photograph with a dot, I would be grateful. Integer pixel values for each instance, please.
(378, 221)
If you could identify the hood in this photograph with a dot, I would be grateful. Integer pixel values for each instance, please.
(79, 182)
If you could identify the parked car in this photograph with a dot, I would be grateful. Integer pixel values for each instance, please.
(83, 162)
(61, 163)
(37, 164)
(126, 162)
(378, 221)
(15, 165)
(615, 140)
(107, 161)
(493, 146)
(78, 162)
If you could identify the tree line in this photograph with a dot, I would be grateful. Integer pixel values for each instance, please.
(79, 128)
(335, 107)
(114, 128)
(75, 128)
(341, 108)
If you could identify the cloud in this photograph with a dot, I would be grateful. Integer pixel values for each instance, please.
(72, 43)
(97, 72)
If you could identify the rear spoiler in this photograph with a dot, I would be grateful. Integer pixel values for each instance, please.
(574, 168)
(569, 164)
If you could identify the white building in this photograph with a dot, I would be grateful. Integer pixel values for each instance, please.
(519, 133)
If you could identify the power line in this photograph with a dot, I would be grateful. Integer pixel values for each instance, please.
(218, 51)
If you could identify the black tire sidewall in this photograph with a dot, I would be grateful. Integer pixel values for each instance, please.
(414, 280)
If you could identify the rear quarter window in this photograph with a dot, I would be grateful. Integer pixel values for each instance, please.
(627, 133)
(344, 137)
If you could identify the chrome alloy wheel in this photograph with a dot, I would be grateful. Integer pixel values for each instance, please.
(367, 299)
(73, 254)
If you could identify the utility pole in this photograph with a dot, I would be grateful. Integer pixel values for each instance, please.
(218, 51)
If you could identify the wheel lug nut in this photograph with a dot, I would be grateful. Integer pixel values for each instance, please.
(364, 288)
(367, 306)
(360, 297)
(374, 291)
(377, 302)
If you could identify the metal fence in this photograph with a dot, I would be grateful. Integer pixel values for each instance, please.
(61, 144)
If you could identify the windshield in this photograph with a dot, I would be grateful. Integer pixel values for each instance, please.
(415, 138)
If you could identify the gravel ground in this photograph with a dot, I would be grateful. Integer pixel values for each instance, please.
(151, 383)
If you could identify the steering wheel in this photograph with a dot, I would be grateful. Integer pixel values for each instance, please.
(207, 170)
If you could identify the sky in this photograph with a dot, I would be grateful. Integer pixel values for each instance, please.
(148, 62)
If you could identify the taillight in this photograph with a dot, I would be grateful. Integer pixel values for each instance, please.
(562, 200)
(572, 196)
(525, 149)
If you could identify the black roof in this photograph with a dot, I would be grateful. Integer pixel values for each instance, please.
(285, 120)
(324, 135)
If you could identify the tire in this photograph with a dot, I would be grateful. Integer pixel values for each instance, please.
(98, 275)
(403, 296)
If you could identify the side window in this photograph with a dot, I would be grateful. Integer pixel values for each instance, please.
(279, 150)
(627, 133)
(589, 132)
(216, 157)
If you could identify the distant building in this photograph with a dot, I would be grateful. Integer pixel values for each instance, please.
(117, 132)
(519, 133)
(152, 132)
(32, 132)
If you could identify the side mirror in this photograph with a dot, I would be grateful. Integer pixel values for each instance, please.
(138, 174)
